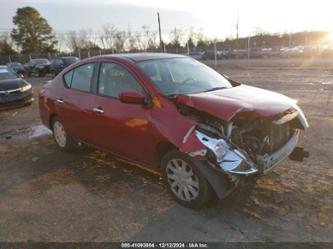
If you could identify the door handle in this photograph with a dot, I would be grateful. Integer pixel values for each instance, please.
(60, 101)
(98, 110)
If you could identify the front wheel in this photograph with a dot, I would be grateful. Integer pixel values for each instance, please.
(184, 180)
(63, 140)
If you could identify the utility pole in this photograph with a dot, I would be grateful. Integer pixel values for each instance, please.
(159, 31)
(237, 25)
(237, 29)
(248, 47)
(215, 55)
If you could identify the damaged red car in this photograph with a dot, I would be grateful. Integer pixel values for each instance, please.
(171, 114)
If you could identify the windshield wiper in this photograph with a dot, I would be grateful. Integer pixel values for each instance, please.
(171, 96)
(215, 88)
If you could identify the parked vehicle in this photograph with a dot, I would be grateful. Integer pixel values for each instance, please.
(210, 55)
(292, 52)
(37, 66)
(17, 68)
(59, 63)
(202, 131)
(197, 55)
(240, 53)
(14, 91)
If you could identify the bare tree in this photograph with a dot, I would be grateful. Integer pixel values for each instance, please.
(131, 41)
(152, 44)
(62, 42)
(72, 41)
(176, 38)
(84, 39)
(145, 37)
(108, 36)
(119, 42)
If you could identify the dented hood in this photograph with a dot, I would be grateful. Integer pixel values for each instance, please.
(226, 103)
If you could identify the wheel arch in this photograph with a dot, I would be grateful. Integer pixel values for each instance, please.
(161, 149)
(52, 116)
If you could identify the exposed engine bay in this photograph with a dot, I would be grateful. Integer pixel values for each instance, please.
(247, 144)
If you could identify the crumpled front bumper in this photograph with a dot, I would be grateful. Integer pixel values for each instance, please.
(267, 162)
(236, 162)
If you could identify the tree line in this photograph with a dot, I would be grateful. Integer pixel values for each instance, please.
(33, 35)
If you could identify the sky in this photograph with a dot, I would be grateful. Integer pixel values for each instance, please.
(217, 18)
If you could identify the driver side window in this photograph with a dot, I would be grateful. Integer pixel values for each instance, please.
(114, 79)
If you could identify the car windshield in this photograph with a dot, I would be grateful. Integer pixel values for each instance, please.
(14, 64)
(40, 61)
(69, 61)
(6, 75)
(182, 76)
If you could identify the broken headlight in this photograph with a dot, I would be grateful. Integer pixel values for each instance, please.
(220, 150)
(218, 147)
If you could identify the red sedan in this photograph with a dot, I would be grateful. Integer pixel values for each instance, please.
(202, 131)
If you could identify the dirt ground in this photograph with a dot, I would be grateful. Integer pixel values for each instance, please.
(48, 195)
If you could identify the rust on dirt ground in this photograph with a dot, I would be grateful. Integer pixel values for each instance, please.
(47, 195)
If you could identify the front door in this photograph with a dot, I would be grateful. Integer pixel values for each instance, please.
(122, 128)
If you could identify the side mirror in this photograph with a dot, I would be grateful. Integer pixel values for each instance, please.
(132, 97)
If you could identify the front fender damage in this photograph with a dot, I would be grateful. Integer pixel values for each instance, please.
(200, 146)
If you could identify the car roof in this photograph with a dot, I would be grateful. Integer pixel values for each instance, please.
(66, 57)
(137, 57)
(34, 59)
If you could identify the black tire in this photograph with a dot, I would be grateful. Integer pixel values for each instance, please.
(204, 190)
(70, 143)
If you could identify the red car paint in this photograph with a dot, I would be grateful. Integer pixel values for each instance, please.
(136, 132)
(227, 103)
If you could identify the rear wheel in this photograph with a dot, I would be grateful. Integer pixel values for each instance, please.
(184, 180)
(63, 140)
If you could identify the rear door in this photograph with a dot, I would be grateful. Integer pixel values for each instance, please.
(75, 102)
